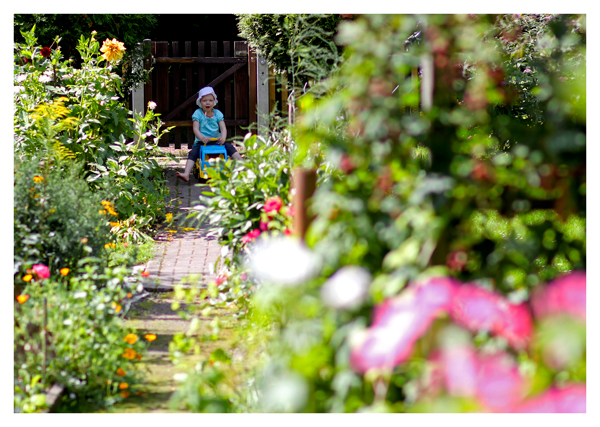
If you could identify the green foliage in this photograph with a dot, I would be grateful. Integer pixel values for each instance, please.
(85, 338)
(300, 46)
(57, 219)
(77, 113)
(129, 28)
(239, 190)
(481, 179)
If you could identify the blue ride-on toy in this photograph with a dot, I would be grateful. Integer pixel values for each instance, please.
(208, 153)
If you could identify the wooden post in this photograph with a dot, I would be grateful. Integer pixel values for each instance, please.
(262, 76)
(304, 183)
(241, 88)
(252, 80)
(427, 82)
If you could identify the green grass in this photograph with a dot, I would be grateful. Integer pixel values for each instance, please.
(132, 253)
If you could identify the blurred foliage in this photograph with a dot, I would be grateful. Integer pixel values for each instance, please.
(458, 144)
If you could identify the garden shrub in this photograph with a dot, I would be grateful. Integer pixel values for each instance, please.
(79, 113)
(479, 182)
(58, 220)
(239, 192)
(89, 351)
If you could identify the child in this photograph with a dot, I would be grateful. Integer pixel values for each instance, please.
(207, 122)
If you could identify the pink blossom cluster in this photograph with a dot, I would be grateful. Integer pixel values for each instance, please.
(493, 379)
(272, 206)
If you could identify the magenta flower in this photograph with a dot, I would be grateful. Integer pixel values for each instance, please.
(527, 70)
(251, 236)
(500, 386)
(399, 322)
(41, 270)
(459, 367)
(564, 295)
(273, 204)
(264, 226)
(570, 399)
(477, 309)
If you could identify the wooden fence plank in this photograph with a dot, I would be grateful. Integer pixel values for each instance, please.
(176, 81)
(193, 60)
(189, 90)
(241, 87)
(228, 101)
(162, 74)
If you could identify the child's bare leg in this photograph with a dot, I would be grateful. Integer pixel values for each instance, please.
(185, 176)
(236, 156)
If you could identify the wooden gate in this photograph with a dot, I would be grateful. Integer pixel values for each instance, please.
(179, 72)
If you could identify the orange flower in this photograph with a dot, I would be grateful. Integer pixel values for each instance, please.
(64, 271)
(130, 338)
(125, 394)
(138, 356)
(123, 386)
(129, 353)
(84, 240)
(129, 294)
(145, 273)
(112, 50)
(150, 337)
(27, 277)
(121, 372)
(22, 298)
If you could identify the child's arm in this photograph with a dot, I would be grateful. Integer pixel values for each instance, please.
(223, 130)
(196, 129)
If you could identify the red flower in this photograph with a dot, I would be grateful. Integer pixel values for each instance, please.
(346, 164)
(273, 204)
(46, 51)
(41, 270)
(251, 236)
(456, 260)
(222, 278)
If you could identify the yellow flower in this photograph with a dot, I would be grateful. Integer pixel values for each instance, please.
(121, 372)
(123, 386)
(110, 245)
(112, 50)
(130, 338)
(172, 231)
(64, 271)
(150, 337)
(169, 217)
(27, 277)
(113, 224)
(38, 178)
(118, 308)
(22, 298)
(129, 353)
(105, 203)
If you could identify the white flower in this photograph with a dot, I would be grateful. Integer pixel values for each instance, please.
(20, 78)
(283, 260)
(347, 288)
(18, 89)
(286, 393)
(44, 78)
(152, 105)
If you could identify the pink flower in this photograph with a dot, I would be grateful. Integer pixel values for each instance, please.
(500, 386)
(273, 204)
(570, 399)
(564, 295)
(527, 70)
(346, 163)
(399, 322)
(477, 309)
(264, 226)
(251, 236)
(290, 211)
(243, 276)
(222, 278)
(459, 366)
(287, 232)
(41, 270)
